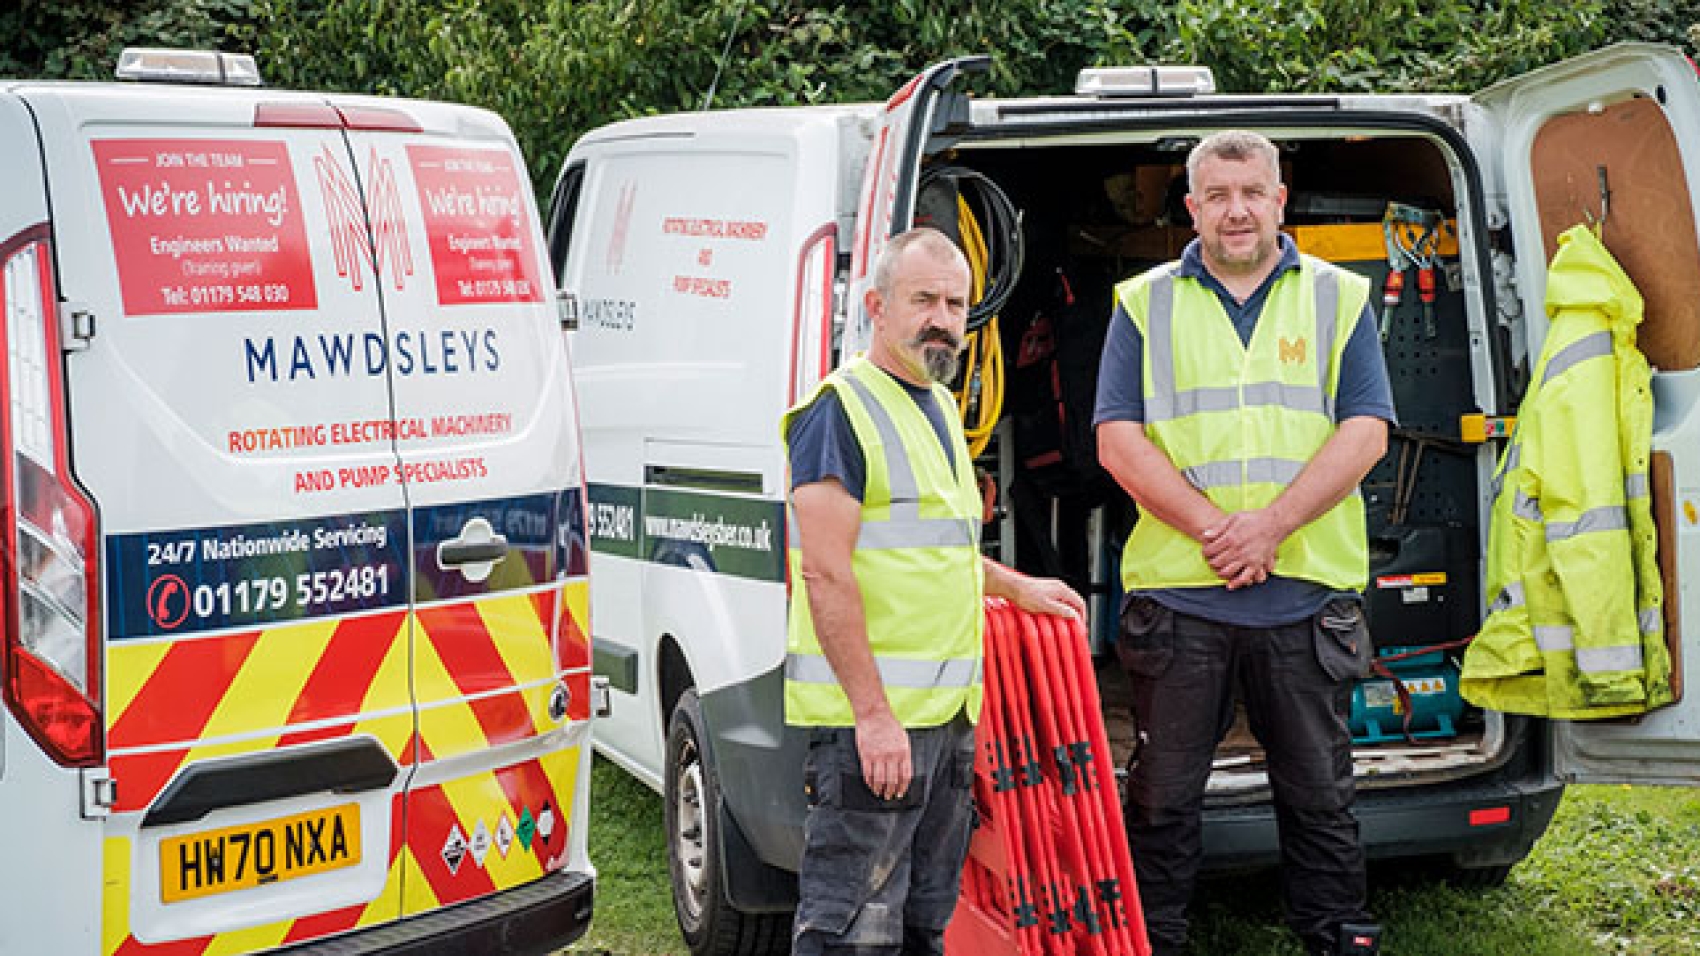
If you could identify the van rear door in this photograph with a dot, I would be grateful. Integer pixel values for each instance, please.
(1613, 137)
(891, 178)
(228, 413)
(489, 460)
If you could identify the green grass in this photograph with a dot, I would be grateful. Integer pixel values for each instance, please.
(634, 902)
(1618, 873)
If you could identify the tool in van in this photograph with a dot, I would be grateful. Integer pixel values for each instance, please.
(1413, 241)
(1393, 289)
(1426, 254)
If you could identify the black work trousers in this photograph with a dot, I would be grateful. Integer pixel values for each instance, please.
(1295, 681)
(878, 878)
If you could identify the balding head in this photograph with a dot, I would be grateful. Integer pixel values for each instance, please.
(925, 240)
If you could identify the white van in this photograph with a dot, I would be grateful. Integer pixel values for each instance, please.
(296, 625)
(716, 263)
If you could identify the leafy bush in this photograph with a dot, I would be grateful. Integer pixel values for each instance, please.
(555, 68)
(80, 39)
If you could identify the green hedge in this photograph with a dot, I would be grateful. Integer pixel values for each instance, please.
(555, 68)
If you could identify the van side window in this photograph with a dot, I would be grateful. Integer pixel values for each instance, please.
(563, 207)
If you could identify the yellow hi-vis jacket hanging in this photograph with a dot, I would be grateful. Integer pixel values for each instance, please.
(1240, 421)
(917, 563)
(1575, 627)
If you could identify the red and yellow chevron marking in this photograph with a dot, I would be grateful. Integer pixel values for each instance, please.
(522, 794)
(250, 689)
(483, 669)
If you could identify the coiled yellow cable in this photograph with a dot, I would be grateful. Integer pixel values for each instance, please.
(983, 378)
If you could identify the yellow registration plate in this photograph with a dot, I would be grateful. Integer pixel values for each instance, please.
(256, 854)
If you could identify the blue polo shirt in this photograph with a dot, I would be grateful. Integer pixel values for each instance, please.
(1364, 389)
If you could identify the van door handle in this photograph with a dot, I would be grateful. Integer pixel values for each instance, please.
(475, 551)
(472, 552)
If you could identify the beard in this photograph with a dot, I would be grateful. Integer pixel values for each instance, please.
(940, 352)
(1260, 253)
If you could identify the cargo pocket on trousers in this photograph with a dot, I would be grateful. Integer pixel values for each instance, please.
(962, 781)
(819, 740)
(1343, 647)
(1146, 646)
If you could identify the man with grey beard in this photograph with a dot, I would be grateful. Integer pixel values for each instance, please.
(883, 658)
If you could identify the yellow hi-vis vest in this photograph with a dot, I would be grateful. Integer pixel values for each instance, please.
(917, 563)
(1241, 421)
(1576, 624)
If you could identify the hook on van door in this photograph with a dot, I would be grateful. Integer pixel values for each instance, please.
(1605, 202)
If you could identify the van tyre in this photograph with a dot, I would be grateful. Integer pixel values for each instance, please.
(709, 923)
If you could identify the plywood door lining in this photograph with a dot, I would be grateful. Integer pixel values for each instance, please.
(1649, 226)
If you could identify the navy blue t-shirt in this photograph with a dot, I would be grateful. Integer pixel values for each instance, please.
(1363, 390)
(823, 444)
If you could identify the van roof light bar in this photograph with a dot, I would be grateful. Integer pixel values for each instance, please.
(1121, 81)
(211, 67)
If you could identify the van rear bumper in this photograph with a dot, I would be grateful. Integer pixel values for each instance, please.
(537, 918)
(1481, 825)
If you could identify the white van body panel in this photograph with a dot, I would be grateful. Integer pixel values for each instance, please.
(39, 823)
(679, 290)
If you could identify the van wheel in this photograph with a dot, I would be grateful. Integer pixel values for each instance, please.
(710, 924)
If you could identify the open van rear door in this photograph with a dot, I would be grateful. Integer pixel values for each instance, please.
(891, 178)
(1613, 137)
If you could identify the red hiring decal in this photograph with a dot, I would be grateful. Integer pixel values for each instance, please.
(476, 224)
(204, 225)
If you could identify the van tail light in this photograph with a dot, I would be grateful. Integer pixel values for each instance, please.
(812, 330)
(811, 325)
(49, 538)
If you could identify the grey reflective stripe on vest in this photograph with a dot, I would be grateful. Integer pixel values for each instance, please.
(1162, 406)
(918, 533)
(1227, 398)
(894, 671)
(1166, 402)
(1555, 638)
(1513, 456)
(905, 528)
(1299, 398)
(1160, 346)
(900, 474)
(1603, 660)
(1635, 486)
(1525, 507)
(1327, 293)
(1651, 620)
(1510, 596)
(1221, 474)
(1608, 518)
(1594, 345)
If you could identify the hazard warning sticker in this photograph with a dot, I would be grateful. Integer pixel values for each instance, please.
(205, 225)
(480, 843)
(545, 823)
(527, 828)
(476, 225)
(454, 849)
